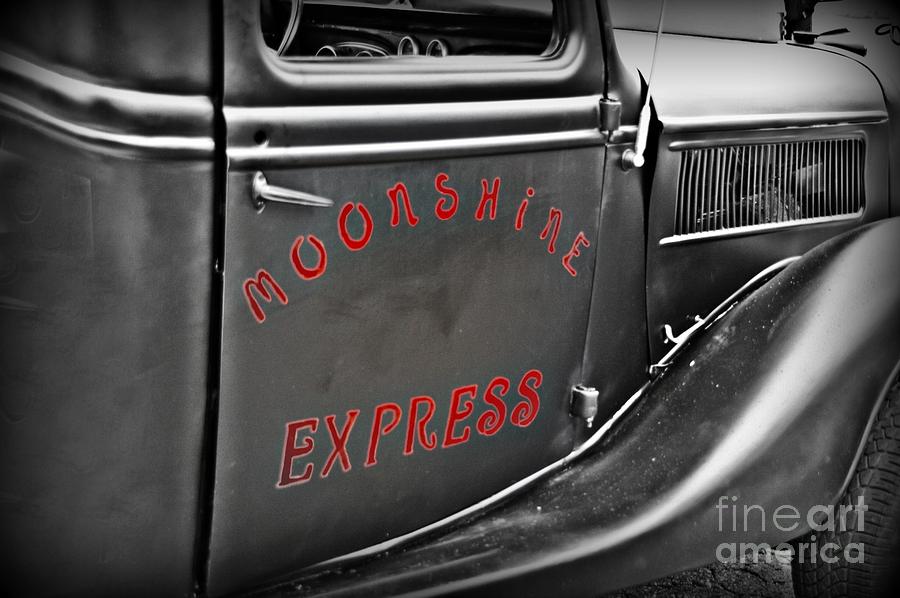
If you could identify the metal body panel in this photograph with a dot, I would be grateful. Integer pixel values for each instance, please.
(686, 279)
(106, 184)
(365, 133)
(759, 21)
(417, 311)
(615, 354)
(103, 109)
(429, 304)
(740, 93)
(104, 298)
(379, 133)
(363, 123)
(116, 42)
(880, 58)
(715, 424)
(113, 209)
(733, 85)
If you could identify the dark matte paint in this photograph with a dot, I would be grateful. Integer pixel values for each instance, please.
(689, 279)
(768, 93)
(104, 306)
(116, 42)
(129, 242)
(615, 354)
(105, 274)
(781, 428)
(417, 311)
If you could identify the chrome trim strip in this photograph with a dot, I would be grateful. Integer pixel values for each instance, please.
(577, 111)
(242, 158)
(186, 146)
(114, 108)
(625, 134)
(496, 498)
(757, 228)
(302, 125)
(784, 135)
(122, 119)
(770, 121)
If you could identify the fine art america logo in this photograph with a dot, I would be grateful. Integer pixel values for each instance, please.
(822, 545)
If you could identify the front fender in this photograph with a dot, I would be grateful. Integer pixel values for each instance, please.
(770, 406)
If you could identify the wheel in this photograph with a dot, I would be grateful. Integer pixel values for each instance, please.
(873, 570)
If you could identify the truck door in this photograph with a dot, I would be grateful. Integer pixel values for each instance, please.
(411, 211)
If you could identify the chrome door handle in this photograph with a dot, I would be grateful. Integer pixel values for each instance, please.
(262, 191)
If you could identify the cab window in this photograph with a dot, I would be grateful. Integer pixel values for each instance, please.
(367, 29)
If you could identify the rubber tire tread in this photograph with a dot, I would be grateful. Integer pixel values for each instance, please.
(877, 481)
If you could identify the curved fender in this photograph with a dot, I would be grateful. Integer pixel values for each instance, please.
(770, 405)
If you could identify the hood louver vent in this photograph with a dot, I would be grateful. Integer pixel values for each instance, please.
(747, 187)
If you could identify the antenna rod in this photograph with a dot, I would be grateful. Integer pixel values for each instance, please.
(635, 158)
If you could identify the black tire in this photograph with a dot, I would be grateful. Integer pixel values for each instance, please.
(877, 481)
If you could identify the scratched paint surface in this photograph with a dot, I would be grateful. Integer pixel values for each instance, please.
(409, 349)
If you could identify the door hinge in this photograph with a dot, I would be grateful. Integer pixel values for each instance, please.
(585, 402)
(610, 116)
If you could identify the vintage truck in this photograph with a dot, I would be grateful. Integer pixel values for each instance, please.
(381, 297)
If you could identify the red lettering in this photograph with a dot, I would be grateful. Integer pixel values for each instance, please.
(292, 452)
(361, 241)
(416, 425)
(555, 216)
(393, 193)
(580, 241)
(488, 196)
(525, 412)
(520, 214)
(378, 430)
(490, 422)
(339, 442)
(455, 416)
(440, 208)
(257, 283)
(301, 270)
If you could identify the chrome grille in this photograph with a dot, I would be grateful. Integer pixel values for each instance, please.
(765, 185)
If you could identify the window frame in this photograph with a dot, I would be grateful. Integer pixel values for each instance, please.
(256, 76)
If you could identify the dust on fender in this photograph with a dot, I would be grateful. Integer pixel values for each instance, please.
(317, 447)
